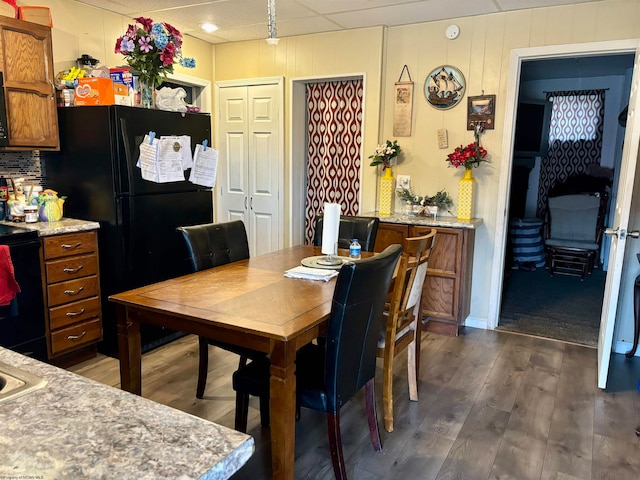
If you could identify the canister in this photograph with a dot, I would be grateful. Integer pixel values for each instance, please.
(31, 214)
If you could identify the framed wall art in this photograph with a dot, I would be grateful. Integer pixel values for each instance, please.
(444, 87)
(402, 105)
(481, 111)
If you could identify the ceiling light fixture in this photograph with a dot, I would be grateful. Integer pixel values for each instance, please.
(271, 17)
(209, 27)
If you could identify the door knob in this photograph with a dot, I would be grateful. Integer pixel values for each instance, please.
(621, 233)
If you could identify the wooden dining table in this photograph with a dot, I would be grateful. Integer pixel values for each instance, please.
(249, 303)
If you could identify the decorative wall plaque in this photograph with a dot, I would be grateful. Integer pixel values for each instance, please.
(444, 87)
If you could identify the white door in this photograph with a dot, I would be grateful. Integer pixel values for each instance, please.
(250, 162)
(620, 226)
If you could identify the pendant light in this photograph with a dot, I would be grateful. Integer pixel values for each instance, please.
(271, 13)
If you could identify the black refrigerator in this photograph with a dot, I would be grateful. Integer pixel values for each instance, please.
(137, 240)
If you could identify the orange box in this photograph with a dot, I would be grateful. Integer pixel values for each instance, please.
(94, 91)
(41, 15)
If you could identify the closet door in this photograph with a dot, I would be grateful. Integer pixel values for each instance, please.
(250, 172)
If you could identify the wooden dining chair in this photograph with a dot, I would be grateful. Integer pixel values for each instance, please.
(364, 229)
(330, 374)
(402, 320)
(208, 246)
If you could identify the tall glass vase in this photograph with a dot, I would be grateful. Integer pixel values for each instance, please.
(147, 94)
(466, 189)
(386, 192)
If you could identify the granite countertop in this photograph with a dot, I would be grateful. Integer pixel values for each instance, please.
(76, 428)
(439, 221)
(65, 225)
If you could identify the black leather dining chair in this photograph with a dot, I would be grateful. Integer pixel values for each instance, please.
(364, 229)
(330, 374)
(211, 245)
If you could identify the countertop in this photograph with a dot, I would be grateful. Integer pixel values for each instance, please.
(65, 225)
(76, 428)
(440, 221)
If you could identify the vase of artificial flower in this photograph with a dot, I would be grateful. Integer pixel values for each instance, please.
(152, 49)
(384, 155)
(468, 157)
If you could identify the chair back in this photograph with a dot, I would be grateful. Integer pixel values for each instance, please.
(574, 217)
(213, 244)
(404, 299)
(352, 330)
(364, 229)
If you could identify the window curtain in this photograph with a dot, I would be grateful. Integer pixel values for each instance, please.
(575, 139)
(334, 139)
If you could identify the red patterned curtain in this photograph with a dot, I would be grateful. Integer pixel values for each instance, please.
(334, 113)
(575, 139)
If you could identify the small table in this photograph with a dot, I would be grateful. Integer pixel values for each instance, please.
(248, 303)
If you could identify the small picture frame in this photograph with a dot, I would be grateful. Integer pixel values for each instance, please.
(481, 110)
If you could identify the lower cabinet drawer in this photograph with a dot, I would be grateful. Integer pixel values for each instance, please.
(71, 268)
(75, 336)
(75, 312)
(72, 291)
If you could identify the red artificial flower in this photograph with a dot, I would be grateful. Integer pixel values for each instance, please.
(468, 157)
(146, 23)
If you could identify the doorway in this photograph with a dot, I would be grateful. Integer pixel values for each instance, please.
(534, 302)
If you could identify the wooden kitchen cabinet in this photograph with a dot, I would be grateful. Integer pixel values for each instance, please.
(72, 295)
(446, 296)
(26, 62)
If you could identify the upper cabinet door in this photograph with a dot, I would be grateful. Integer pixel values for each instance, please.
(26, 61)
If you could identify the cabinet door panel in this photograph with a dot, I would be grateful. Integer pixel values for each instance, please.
(390, 233)
(438, 298)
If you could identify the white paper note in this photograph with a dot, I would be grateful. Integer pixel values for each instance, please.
(330, 228)
(169, 161)
(205, 166)
(184, 143)
(147, 161)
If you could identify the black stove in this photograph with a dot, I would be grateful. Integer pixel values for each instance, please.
(10, 234)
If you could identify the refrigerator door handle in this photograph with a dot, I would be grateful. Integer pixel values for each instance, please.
(127, 152)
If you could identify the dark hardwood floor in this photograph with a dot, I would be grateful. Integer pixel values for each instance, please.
(492, 405)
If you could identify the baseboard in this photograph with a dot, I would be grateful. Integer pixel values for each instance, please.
(624, 347)
(476, 322)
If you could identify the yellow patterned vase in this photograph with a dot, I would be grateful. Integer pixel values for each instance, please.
(386, 192)
(466, 189)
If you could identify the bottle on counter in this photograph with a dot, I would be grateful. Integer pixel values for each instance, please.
(355, 249)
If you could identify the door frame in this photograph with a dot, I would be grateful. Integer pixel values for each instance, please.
(504, 184)
(297, 148)
(248, 82)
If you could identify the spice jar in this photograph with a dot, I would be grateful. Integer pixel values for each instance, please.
(31, 214)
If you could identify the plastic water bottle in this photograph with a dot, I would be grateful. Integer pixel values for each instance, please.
(355, 249)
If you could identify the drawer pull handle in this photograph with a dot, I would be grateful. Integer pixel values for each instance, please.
(75, 314)
(73, 270)
(73, 338)
(67, 246)
(73, 292)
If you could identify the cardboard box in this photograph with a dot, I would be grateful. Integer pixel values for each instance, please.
(122, 75)
(41, 15)
(123, 95)
(94, 91)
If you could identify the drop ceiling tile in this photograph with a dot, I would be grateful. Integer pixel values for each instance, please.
(338, 6)
(521, 4)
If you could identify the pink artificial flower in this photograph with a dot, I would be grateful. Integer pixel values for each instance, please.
(144, 43)
(118, 43)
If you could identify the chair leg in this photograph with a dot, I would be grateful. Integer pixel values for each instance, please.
(387, 386)
(203, 366)
(413, 363)
(335, 446)
(242, 411)
(264, 411)
(372, 416)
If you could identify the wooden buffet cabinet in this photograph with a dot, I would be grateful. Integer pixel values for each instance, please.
(446, 297)
(71, 289)
(26, 63)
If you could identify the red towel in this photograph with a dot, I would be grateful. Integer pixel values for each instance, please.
(8, 285)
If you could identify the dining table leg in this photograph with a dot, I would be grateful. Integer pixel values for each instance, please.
(283, 410)
(129, 351)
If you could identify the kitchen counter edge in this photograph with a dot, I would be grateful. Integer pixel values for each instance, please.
(75, 427)
(440, 221)
(65, 225)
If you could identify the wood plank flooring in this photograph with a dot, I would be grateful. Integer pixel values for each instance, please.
(492, 405)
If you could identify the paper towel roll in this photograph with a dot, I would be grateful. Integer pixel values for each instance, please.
(330, 228)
